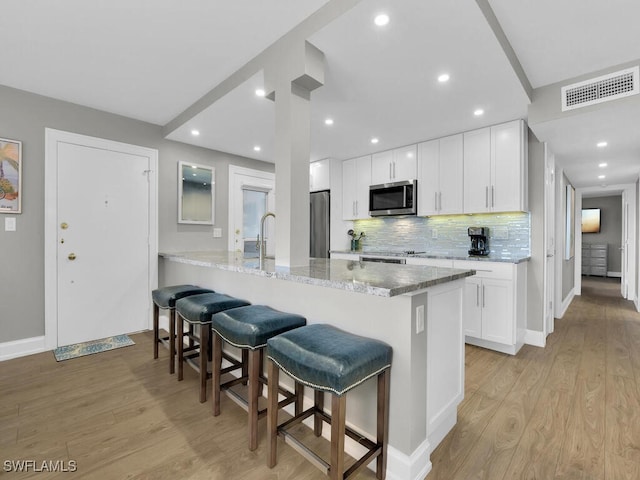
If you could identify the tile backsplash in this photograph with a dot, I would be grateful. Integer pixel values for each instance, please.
(509, 233)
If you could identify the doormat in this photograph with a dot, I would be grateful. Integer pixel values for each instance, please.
(94, 346)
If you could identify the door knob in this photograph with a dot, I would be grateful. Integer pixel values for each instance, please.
(72, 256)
(64, 225)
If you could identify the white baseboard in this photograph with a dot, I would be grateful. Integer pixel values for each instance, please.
(535, 338)
(565, 303)
(22, 347)
(614, 274)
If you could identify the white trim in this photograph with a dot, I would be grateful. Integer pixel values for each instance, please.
(614, 274)
(52, 138)
(566, 302)
(535, 338)
(21, 348)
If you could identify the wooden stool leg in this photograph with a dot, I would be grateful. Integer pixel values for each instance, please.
(205, 333)
(245, 363)
(215, 373)
(338, 407)
(383, 421)
(156, 328)
(318, 400)
(299, 393)
(172, 340)
(180, 339)
(254, 383)
(261, 371)
(272, 414)
(191, 335)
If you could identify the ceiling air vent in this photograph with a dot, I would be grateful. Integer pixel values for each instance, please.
(602, 89)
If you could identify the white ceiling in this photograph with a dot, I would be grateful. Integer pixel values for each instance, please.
(152, 60)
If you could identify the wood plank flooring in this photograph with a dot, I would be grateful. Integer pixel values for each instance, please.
(569, 411)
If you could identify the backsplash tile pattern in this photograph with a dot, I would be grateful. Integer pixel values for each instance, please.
(509, 233)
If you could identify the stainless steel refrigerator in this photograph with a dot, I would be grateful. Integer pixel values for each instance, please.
(319, 221)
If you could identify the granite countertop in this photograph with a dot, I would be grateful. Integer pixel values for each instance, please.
(384, 280)
(489, 258)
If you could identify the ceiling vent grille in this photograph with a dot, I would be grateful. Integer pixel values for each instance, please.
(602, 89)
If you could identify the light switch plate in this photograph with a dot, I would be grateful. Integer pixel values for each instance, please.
(217, 233)
(10, 224)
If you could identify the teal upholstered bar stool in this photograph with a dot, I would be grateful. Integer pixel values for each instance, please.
(166, 298)
(328, 359)
(197, 310)
(248, 328)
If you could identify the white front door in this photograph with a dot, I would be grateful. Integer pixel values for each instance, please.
(103, 203)
(251, 195)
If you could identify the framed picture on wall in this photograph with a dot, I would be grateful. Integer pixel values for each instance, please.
(10, 176)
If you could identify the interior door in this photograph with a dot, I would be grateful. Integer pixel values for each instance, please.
(549, 242)
(103, 241)
(624, 283)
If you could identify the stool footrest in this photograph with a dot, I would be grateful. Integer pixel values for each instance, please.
(373, 449)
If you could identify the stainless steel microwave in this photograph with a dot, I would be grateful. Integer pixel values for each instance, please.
(397, 198)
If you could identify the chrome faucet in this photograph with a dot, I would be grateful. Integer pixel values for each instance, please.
(263, 243)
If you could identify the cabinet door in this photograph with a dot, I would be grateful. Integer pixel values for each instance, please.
(349, 184)
(382, 167)
(319, 176)
(405, 165)
(477, 170)
(428, 174)
(472, 310)
(507, 160)
(363, 181)
(497, 311)
(450, 198)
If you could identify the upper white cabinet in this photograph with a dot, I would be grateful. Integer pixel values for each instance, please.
(495, 168)
(356, 178)
(440, 176)
(320, 175)
(394, 165)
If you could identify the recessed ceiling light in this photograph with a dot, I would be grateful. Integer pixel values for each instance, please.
(195, 133)
(443, 78)
(374, 140)
(381, 19)
(260, 92)
(601, 144)
(601, 177)
(478, 112)
(328, 121)
(409, 154)
(603, 164)
(257, 148)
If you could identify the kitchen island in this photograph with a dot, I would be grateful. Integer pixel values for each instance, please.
(416, 309)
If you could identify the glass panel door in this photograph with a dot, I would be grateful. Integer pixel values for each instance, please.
(254, 206)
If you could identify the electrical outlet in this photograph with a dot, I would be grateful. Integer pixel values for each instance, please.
(10, 224)
(217, 233)
(420, 318)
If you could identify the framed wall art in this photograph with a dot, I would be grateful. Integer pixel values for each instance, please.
(10, 176)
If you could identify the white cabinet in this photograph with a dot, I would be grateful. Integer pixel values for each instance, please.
(495, 168)
(320, 175)
(394, 165)
(494, 306)
(440, 176)
(430, 262)
(356, 178)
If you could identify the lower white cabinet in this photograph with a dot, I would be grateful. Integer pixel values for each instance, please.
(494, 312)
(430, 262)
(345, 256)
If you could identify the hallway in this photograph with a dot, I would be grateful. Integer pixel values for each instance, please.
(569, 411)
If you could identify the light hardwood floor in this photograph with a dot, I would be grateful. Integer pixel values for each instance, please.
(569, 411)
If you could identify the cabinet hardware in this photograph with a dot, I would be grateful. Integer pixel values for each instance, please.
(477, 295)
(435, 200)
(390, 174)
(493, 196)
(486, 197)
(483, 297)
(439, 201)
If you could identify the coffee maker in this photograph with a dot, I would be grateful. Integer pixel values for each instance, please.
(479, 244)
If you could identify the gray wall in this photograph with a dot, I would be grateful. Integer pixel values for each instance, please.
(535, 267)
(25, 117)
(610, 228)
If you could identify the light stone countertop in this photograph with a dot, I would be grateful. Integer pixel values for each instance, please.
(488, 258)
(380, 279)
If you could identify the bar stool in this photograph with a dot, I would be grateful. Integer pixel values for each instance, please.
(329, 360)
(166, 298)
(249, 328)
(198, 310)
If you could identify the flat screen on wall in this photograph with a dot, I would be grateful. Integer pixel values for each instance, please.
(591, 220)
